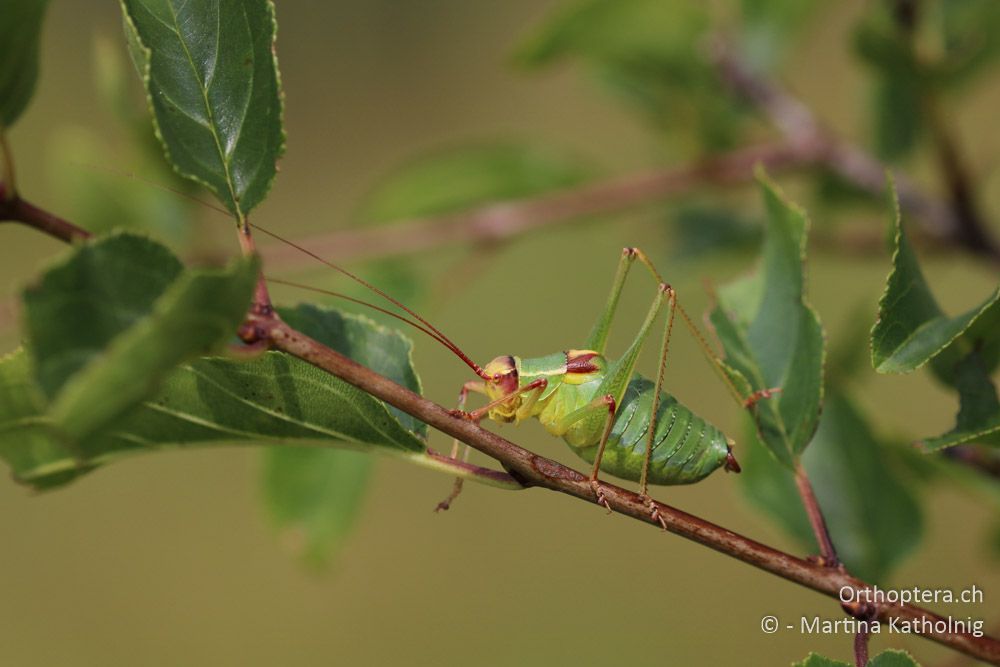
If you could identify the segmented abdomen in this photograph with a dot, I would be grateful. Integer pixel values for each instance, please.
(685, 450)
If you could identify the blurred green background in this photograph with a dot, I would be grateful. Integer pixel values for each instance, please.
(168, 559)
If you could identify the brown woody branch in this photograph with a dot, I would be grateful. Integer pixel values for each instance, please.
(535, 471)
(505, 220)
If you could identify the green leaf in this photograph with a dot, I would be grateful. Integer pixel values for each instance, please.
(893, 658)
(771, 336)
(314, 496)
(889, 658)
(460, 179)
(87, 299)
(20, 32)
(110, 322)
(978, 418)
(273, 398)
(874, 519)
(702, 230)
(211, 76)
(816, 660)
(316, 493)
(911, 329)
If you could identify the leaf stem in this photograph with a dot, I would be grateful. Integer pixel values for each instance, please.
(827, 551)
(532, 470)
(261, 297)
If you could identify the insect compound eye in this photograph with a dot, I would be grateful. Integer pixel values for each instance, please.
(496, 377)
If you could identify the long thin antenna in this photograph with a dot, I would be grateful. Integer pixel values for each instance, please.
(345, 297)
(427, 327)
(440, 336)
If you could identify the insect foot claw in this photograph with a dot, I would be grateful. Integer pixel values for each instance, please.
(599, 492)
(460, 414)
(455, 491)
(654, 512)
(752, 399)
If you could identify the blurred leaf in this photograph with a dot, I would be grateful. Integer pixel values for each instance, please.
(459, 179)
(315, 495)
(978, 418)
(969, 40)
(20, 31)
(702, 230)
(769, 26)
(874, 519)
(772, 489)
(109, 322)
(212, 401)
(911, 329)
(816, 660)
(651, 52)
(110, 77)
(772, 337)
(849, 355)
(212, 80)
(100, 202)
(619, 31)
(897, 110)
(831, 189)
(899, 81)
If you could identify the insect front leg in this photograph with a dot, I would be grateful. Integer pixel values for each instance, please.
(463, 395)
(535, 388)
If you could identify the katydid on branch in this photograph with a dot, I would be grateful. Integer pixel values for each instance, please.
(609, 415)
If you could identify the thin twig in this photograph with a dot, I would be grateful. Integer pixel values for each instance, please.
(20, 210)
(861, 648)
(505, 220)
(533, 470)
(799, 125)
